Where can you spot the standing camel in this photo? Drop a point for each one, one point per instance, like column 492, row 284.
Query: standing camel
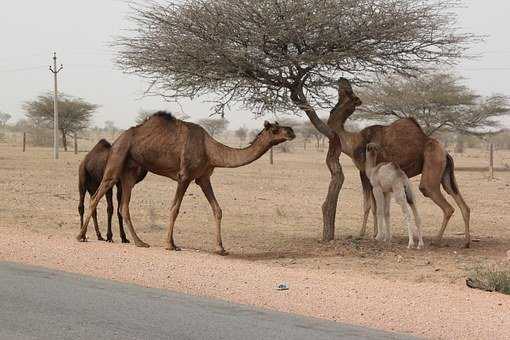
column 387, row 179
column 90, row 174
column 182, row 151
column 404, row 143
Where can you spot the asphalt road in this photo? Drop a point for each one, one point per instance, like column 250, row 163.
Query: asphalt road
column 38, row 303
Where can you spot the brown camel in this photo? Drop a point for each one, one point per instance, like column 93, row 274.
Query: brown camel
column 90, row 174
column 404, row 143
column 182, row 151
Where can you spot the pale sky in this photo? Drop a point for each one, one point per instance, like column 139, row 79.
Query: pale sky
column 80, row 31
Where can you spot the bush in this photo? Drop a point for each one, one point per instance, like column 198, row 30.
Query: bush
column 490, row 280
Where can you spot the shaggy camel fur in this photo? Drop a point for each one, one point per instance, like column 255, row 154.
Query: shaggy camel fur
column 405, row 144
column 182, row 151
column 90, row 174
column 387, row 179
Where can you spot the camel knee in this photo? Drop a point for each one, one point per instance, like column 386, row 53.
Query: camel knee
column 218, row 213
column 425, row 192
column 81, row 209
column 448, row 212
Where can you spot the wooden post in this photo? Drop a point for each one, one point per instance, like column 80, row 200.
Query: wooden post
column 491, row 161
column 271, row 156
column 75, row 143
column 24, row 141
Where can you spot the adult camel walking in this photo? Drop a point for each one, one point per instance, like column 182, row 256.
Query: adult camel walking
column 182, row 151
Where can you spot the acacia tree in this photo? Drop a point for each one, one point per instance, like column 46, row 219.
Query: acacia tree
column 285, row 55
column 4, row 118
column 438, row 101
column 213, row 125
column 74, row 114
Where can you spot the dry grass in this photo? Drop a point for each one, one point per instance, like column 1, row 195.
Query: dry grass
column 271, row 214
column 490, row 279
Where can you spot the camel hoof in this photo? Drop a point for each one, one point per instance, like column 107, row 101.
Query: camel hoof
column 125, row 240
column 173, row 248
column 221, row 252
column 142, row 244
column 467, row 245
column 100, row 238
column 109, row 240
column 81, row 239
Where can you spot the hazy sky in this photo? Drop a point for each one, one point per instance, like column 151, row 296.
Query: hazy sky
column 80, row 31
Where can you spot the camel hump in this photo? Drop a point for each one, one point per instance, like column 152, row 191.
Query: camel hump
column 104, row 143
column 165, row 115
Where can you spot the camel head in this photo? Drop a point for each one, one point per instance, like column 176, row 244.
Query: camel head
column 347, row 100
column 275, row 133
column 372, row 150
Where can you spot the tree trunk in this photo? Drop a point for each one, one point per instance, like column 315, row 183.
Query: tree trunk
column 459, row 146
column 332, row 161
column 491, row 161
column 271, row 156
column 24, row 141
column 75, row 143
column 64, row 140
column 335, row 185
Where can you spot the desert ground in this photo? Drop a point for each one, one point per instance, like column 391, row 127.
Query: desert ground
column 271, row 228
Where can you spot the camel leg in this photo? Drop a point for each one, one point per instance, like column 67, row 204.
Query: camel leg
column 400, row 198
column 122, row 233
column 109, row 209
column 434, row 165
column 379, row 203
column 417, row 223
column 205, row 184
column 387, row 221
column 128, row 182
column 182, row 186
column 450, row 186
column 96, row 226
column 368, row 204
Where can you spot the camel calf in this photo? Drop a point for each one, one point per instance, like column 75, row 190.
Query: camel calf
column 90, row 174
column 388, row 178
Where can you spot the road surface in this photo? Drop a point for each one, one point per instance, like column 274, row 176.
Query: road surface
column 39, row 303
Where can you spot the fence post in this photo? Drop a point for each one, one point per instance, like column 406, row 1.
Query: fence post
column 491, row 161
column 24, row 141
column 75, row 144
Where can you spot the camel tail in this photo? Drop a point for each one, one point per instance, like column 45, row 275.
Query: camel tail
column 449, row 175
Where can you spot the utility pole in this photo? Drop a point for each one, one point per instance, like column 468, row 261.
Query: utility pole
column 55, row 72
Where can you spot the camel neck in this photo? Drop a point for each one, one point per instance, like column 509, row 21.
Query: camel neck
column 223, row 156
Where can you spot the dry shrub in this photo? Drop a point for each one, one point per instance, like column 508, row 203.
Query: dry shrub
column 490, row 279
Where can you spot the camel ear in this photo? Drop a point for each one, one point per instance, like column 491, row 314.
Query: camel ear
column 267, row 124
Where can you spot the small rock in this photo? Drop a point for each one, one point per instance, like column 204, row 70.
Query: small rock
column 282, row 286
column 400, row 258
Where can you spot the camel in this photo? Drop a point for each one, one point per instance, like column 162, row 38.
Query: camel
column 90, row 174
column 404, row 143
column 387, row 179
column 184, row 152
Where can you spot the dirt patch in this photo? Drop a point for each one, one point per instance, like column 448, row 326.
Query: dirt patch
column 272, row 223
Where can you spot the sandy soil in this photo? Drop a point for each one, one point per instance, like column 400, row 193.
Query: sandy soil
column 271, row 225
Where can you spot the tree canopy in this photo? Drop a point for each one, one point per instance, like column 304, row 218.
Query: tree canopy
column 74, row 113
column 278, row 55
column 4, row 118
column 438, row 101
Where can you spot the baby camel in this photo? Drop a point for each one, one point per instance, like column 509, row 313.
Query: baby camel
column 182, row 151
column 388, row 178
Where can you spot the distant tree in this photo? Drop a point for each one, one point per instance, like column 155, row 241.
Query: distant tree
column 214, row 126
column 109, row 125
column 437, row 101
column 74, row 114
column 242, row 133
column 308, row 131
column 4, row 118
